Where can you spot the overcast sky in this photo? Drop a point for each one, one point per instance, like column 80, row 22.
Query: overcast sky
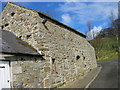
column 76, row 14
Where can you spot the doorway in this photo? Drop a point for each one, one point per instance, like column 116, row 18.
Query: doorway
column 4, row 74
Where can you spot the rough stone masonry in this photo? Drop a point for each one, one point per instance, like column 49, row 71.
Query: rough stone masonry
column 71, row 54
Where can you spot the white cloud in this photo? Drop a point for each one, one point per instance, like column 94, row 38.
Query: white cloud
column 94, row 32
column 85, row 11
column 66, row 19
column 72, row 0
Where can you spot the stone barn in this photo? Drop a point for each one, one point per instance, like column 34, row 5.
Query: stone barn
column 60, row 53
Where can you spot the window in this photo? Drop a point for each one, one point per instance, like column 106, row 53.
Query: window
column 84, row 58
column 53, row 60
column 28, row 36
column 12, row 14
column 2, row 27
column 20, row 36
column 77, row 57
column 6, row 25
column 54, row 66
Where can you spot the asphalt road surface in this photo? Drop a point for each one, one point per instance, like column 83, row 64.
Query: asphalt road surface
column 108, row 77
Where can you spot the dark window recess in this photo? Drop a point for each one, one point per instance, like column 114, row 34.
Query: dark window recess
column 20, row 36
column 6, row 25
column 53, row 60
column 54, row 66
column 77, row 57
column 2, row 27
column 84, row 58
column 12, row 14
column 28, row 36
column 22, row 59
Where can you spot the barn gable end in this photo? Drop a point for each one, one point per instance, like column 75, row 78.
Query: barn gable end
column 71, row 54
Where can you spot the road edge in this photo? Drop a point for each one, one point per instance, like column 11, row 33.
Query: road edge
column 99, row 70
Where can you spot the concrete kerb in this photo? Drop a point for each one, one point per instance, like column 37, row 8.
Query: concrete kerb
column 97, row 73
column 86, row 80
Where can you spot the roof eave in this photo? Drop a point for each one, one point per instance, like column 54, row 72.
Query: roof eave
column 50, row 18
column 28, row 54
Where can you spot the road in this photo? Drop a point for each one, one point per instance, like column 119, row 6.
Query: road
column 108, row 77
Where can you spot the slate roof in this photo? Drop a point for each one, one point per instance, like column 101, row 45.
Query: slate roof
column 9, row 43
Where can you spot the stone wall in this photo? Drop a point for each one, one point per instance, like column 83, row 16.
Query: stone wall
column 72, row 55
column 30, row 72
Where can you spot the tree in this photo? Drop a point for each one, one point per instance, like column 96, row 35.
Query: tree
column 90, row 33
column 89, row 25
column 112, row 18
column 114, row 24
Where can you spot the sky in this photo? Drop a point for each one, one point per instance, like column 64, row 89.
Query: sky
column 76, row 14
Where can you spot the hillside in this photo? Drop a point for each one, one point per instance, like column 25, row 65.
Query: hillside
column 106, row 48
column 107, row 43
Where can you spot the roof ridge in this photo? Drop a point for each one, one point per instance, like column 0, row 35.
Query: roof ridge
column 50, row 18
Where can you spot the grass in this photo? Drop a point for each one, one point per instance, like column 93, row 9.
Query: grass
column 105, row 48
column 111, row 56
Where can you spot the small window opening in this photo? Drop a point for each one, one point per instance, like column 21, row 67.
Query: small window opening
column 54, row 66
column 2, row 27
column 84, row 58
column 6, row 25
column 20, row 36
column 22, row 59
column 77, row 57
column 12, row 14
column 28, row 36
column 85, row 65
column 53, row 60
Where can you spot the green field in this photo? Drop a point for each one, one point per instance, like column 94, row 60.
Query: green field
column 105, row 48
